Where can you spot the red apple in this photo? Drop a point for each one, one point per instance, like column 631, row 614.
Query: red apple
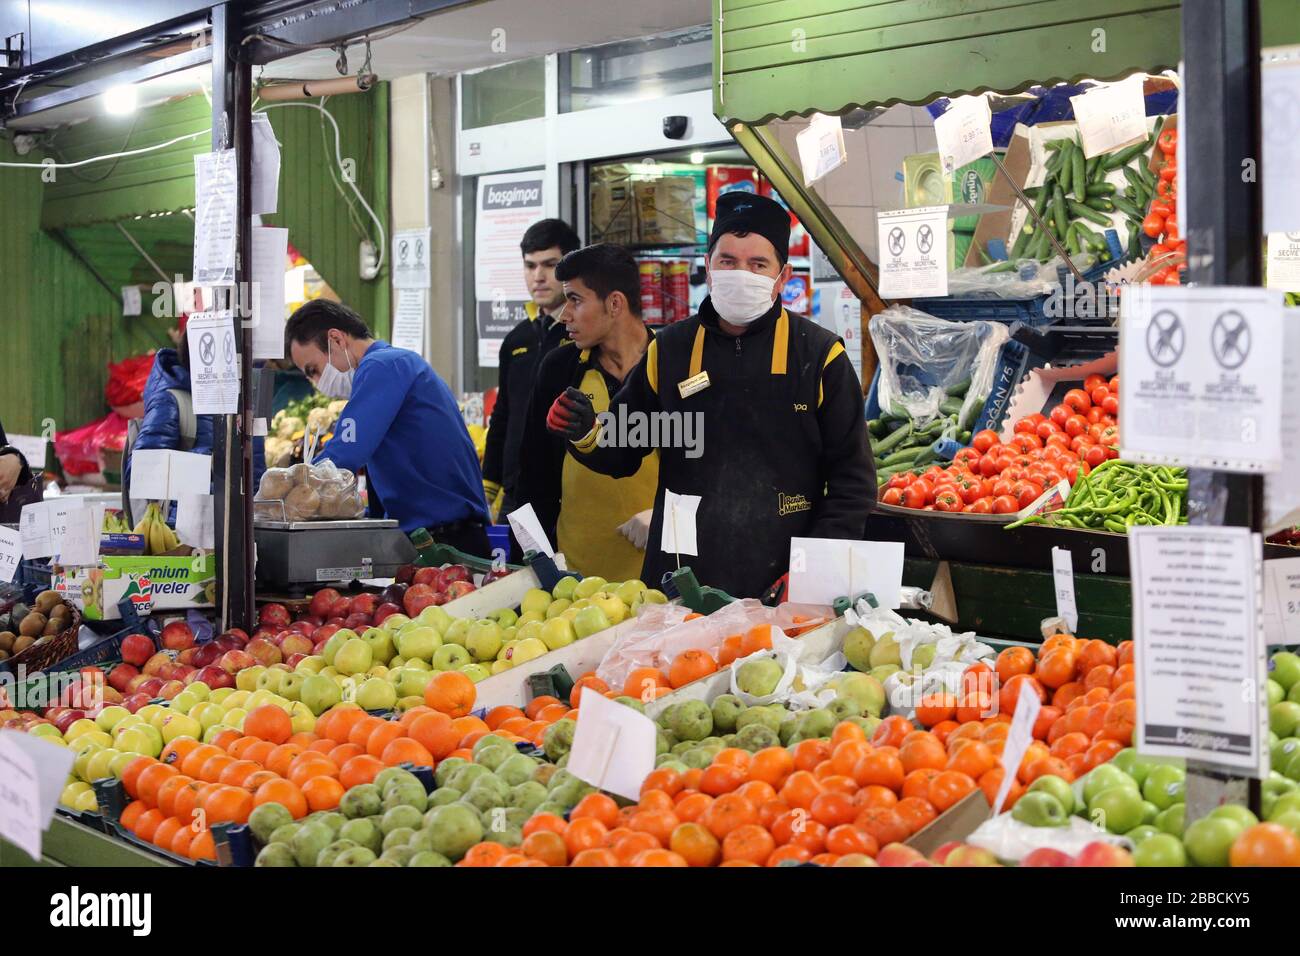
column 430, row 576
column 383, row 612
column 274, row 615
column 238, row 633
column 364, row 603
column 232, row 662
column 295, row 644
column 170, row 689
column 358, row 622
column 66, row 718
column 340, row 607
column 325, row 632
column 417, row 598
column 319, row 647
column 940, row 855
column 134, row 684
column 405, row 574
column 215, row 676
column 456, row 572
column 293, row 659
column 458, row 589
column 121, row 675
column 263, row 652
column 136, row 649
column 393, row 594
column 1047, row 856
column 152, row 686
column 966, row 855
column 282, row 666
column 207, row 654
column 1098, row 853
column 112, row 696
column 154, row 663
column 177, row 635
column 303, row 626
column 189, row 656
column 226, row 643
column 496, row 574
column 898, row 854
column 322, row 600
column 335, row 621
column 134, row 702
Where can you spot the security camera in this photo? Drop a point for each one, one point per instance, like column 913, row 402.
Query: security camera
column 675, row 126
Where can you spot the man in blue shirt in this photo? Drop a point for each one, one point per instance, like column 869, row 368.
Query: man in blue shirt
column 401, row 424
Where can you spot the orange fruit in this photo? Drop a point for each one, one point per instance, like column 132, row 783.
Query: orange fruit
column 285, row 793
column 225, row 738
column 915, row 812
column 880, row 767
column 692, row 806
column 187, row 799
column 214, row 766
column 238, row 748
column 1265, row 844
column 642, row 682
column 166, row 831
column 847, row 838
column 598, row 806
column 690, row 666
column 936, row 708
column 382, row 736
column 597, row 857
column 310, row 765
column 405, row 750
column 282, row 757
column 484, row 854
column 193, row 762
column 147, row 823
column 791, row 851
column 228, row 805
column 1013, row 661
column 131, row 774
column 757, row 638
column 722, row 778
column 180, row 843
column 658, row 823
column 151, row 780
column 748, row 842
column 202, row 846
column 949, row 787
column 468, row 725
column 268, row 722
column 255, row 780
column 583, row 682
column 658, row 858
column 495, row 717
column 178, row 749
column 343, row 718
column 665, row 779
column 131, row 813
column 258, row 752
column 884, row 826
column 732, row 648
column 973, row 759
column 363, row 728
column 878, row 796
column 728, row 812
column 892, row 731
column 695, row 844
column 922, row 753
column 833, row 809
column 586, row 833
column 547, row 846
column 168, row 791
column 236, row 773
column 450, row 692
column 322, row 793
column 800, row 789
column 359, row 770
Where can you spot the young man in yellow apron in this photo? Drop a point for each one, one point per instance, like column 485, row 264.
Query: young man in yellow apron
column 599, row 523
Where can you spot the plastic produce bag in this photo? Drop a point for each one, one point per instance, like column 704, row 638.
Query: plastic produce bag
column 126, row 380
column 308, row 493
column 1029, row 279
column 922, row 357
column 79, row 450
column 1009, row 839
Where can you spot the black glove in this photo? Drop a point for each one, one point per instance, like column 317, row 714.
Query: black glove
column 571, row 416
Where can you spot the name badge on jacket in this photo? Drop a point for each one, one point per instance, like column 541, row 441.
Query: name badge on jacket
column 696, row 383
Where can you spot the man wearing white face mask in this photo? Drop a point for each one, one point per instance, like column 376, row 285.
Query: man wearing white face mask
column 784, row 451
column 400, row 423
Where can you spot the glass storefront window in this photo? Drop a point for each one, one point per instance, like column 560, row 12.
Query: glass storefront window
column 617, row 73
column 504, row 94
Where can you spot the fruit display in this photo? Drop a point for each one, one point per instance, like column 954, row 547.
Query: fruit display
column 900, row 443
column 1118, row 495
column 23, row 626
column 1159, row 188
column 159, row 537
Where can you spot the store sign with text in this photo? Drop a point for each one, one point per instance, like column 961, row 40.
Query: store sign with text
column 507, row 204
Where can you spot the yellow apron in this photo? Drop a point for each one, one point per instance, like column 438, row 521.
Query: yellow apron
column 592, row 506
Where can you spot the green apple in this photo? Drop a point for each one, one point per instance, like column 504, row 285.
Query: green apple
column 234, row 718
column 100, row 764
column 629, row 591
column 1057, row 787
column 320, row 693
column 1280, row 753
column 376, row 694
column 484, row 639
column 1118, row 809
column 475, row 671
column 312, row 664
column 587, row 587
column 1149, row 812
column 1142, row 832
column 117, row 766
column 138, row 740
column 412, row 682
column 50, row 732
column 1276, row 692
column 653, row 596
column 1293, row 695
column 1040, row 809
column 335, row 643
column 416, row 663
column 1284, row 667
column 498, row 667
column 529, row 629
column 219, row 695
column 1290, row 820
column 110, row 717
column 1165, row 785
column 381, row 644
column 86, row 726
column 557, row 608
column 354, row 657
column 246, row 680
column 418, row 642
column 1160, row 849
column 1283, row 718
column 184, row 701
column 451, row 657
column 504, row 616
column 1209, row 840
column 291, row 686
column 394, row 622
column 526, row 650
column 563, row 589
column 1286, row 803
column 590, row 620
column 1235, row 811
column 557, row 633
column 435, row 617
column 614, row 609
column 535, row 601
column 1133, row 765
column 529, row 617
column 181, row 725
column 458, row 631
column 1105, row 777
column 268, row 682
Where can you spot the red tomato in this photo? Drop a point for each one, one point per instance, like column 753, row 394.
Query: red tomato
column 1168, row 142
column 1026, row 492
column 982, row 506
column 970, row 492
column 1109, row 435
column 914, row 495
column 1161, row 208
column 1169, row 172
column 989, row 466
column 1153, row 225
column 901, row 480
column 967, row 456
column 1079, row 443
column 933, row 473
column 947, row 501
column 1158, row 250
column 891, row 496
column 1059, row 440
column 1078, row 400
column 982, row 441
column 1094, row 431
column 1094, row 415
column 1095, row 455
column 1026, row 426
column 1111, row 405
column 1094, row 381
column 1002, row 486
column 1037, row 418
column 986, row 488
column 1004, row 504
column 1013, row 472
column 1113, row 384
column 925, row 486
column 1026, row 443
column 1046, row 430
column 1099, row 394
column 1060, row 413
column 1171, row 228
column 1075, row 425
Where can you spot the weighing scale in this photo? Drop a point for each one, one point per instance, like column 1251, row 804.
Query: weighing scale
column 296, row 555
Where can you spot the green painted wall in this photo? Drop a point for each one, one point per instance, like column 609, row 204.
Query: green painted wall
column 61, row 326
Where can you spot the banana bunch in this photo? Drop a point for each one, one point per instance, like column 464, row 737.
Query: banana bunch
column 158, row 537
column 114, row 523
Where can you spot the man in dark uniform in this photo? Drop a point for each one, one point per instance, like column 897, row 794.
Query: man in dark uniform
column 784, row 452
column 544, row 244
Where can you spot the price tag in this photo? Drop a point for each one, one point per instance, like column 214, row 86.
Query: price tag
column 613, row 747
column 1199, row 645
column 913, row 252
column 1063, row 576
column 60, row 512
column 1201, row 377
column 1019, row 737
column 79, row 545
column 35, row 528
column 20, row 798
column 1282, row 601
column 11, row 553
column 1281, row 490
column 1111, row 117
column 963, row 132
column 130, row 300
column 677, row 536
column 823, row 569
column 528, row 530
column 821, row 147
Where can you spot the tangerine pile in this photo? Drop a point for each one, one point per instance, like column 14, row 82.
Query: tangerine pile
column 819, row 801
column 192, row 785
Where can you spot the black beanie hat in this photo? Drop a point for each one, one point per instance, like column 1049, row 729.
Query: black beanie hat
column 749, row 212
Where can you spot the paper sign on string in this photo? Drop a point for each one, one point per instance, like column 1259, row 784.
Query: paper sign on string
column 821, row 147
column 613, row 746
column 194, row 521
column 34, row 525
column 678, row 535
column 528, row 531
column 32, row 774
column 79, row 544
column 1063, row 577
column 408, row 320
column 823, row 569
column 269, row 251
column 215, row 204
column 159, row 474
column 963, row 132
column 1019, row 737
column 214, row 363
column 11, row 553
column 411, row 253
column 1111, row 117
column 913, row 252
column 265, row 191
column 130, row 300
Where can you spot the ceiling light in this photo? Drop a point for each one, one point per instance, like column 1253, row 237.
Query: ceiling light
column 121, row 100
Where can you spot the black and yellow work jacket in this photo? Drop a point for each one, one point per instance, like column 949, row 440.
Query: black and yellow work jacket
column 784, row 450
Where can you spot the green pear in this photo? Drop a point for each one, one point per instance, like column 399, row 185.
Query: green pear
column 857, row 648
column 885, row 651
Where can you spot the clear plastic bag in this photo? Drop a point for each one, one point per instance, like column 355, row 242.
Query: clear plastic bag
column 921, row 357
column 1009, row 839
column 308, row 493
column 1029, row 279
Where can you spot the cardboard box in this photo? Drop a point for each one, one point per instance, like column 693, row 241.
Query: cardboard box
column 152, row 583
column 665, row 209
column 613, row 205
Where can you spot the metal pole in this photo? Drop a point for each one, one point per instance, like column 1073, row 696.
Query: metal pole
column 1223, row 220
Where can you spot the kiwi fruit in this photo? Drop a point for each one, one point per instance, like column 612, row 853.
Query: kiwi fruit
column 32, row 624
column 4, row 655
column 60, row 612
column 22, row 643
column 7, row 639
column 47, row 600
column 53, row 626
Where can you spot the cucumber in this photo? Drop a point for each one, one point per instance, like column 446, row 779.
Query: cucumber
column 1066, row 176
column 1127, row 208
column 900, row 457
column 959, row 389
column 1100, row 203
column 1116, row 160
column 951, row 405
column 1079, row 180
column 892, row 439
column 1055, row 144
column 1092, row 215
column 1101, row 189
column 1061, row 220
